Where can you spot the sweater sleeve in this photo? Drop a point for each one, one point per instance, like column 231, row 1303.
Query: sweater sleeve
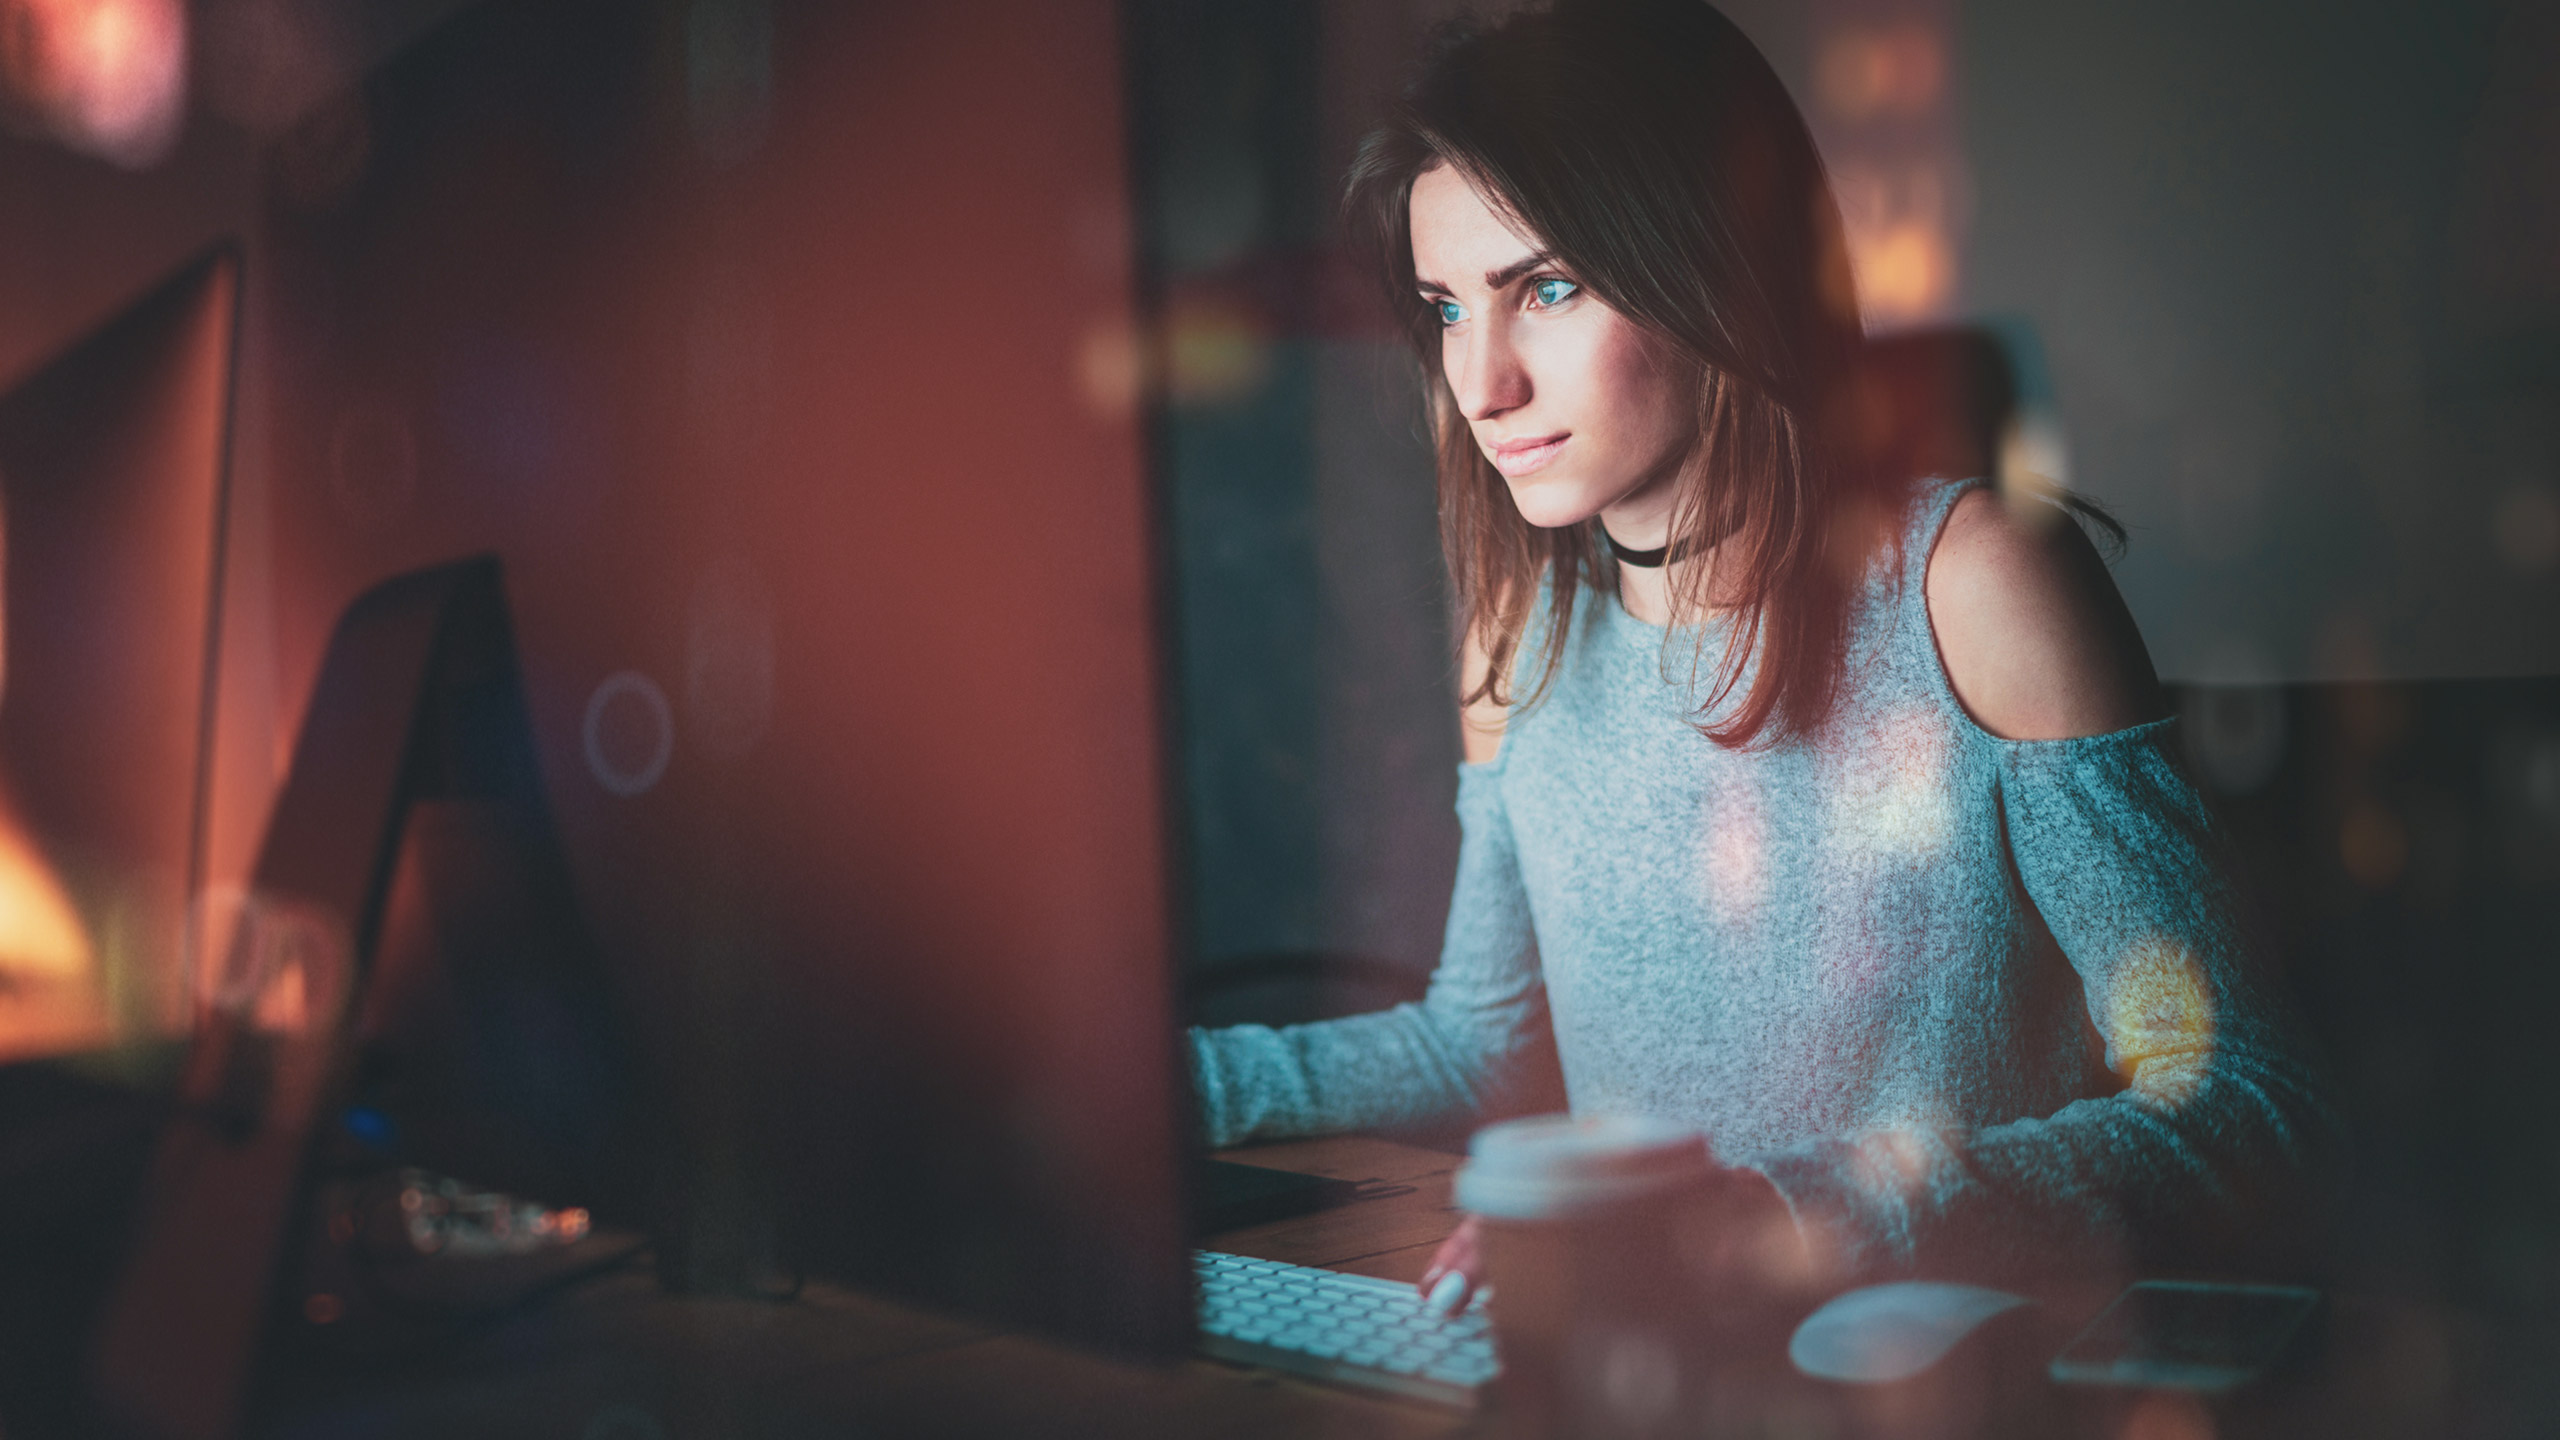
column 1453, row 1054
column 2219, row 1128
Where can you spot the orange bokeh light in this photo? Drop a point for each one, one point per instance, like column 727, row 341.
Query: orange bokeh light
column 49, row 999
column 1865, row 72
column 41, row 938
column 108, row 77
column 1899, row 214
column 1905, row 272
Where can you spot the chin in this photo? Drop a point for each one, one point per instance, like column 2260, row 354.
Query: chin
column 1552, row 505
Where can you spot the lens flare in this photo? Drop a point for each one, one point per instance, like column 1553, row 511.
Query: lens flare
column 1206, row 350
column 1733, row 862
column 1215, row 352
column 285, row 966
column 1892, row 796
column 1110, row 365
column 2160, row 1020
column 1894, row 1161
column 630, row 733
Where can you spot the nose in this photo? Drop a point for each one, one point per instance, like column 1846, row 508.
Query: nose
column 1485, row 371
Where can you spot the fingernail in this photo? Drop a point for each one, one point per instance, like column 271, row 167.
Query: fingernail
column 1449, row 1296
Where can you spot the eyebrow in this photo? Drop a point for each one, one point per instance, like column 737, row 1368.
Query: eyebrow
column 1496, row 279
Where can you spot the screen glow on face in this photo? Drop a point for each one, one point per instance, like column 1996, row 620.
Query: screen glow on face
column 1545, row 292
column 1580, row 409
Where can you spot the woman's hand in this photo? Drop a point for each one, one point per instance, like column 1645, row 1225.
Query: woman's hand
column 1747, row 1240
column 1456, row 1269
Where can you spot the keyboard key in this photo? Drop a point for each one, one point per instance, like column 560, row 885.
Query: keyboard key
column 1343, row 1327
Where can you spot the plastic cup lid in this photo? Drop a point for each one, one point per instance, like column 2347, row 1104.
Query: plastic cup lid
column 1550, row 1166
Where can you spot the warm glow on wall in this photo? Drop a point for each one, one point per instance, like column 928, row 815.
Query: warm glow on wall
column 50, row 1001
column 45, row 951
column 41, row 938
column 108, row 77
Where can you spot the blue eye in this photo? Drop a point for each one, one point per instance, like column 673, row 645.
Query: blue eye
column 1552, row 291
column 1451, row 312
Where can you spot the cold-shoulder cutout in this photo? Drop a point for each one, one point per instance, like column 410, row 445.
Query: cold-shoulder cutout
column 2035, row 642
column 1976, row 1006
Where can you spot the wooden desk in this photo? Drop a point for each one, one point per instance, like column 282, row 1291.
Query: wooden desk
column 616, row 1358
column 1391, row 1237
column 2387, row 1367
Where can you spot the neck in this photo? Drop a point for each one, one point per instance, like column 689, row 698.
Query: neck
column 1646, row 593
column 1642, row 522
column 1646, row 590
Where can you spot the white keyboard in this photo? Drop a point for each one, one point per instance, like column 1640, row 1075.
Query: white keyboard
column 1348, row 1328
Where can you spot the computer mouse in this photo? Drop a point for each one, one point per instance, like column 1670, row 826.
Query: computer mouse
column 1892, row 1332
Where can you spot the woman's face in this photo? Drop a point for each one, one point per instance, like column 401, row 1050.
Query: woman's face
column 1583, row 412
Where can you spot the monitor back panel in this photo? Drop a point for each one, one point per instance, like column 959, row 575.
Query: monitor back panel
column 111, row 471
column 779, row 351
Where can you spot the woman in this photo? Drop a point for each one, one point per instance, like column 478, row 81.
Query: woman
column 1826, row 809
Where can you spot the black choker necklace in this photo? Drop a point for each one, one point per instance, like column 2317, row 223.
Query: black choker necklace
column 1641, row 559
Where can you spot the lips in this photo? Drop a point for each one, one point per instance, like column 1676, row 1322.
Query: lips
column 1515, row 458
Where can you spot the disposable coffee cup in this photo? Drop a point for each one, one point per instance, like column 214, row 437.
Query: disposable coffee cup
column 1586, row 1223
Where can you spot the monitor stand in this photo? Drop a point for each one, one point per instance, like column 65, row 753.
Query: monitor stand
column 419, row 699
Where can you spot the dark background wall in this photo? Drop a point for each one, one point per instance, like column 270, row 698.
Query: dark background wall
column 2293, row 266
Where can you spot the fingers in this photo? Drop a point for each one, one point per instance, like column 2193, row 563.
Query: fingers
column 1457, row 1253
column 1449, row 1295
column 1450, row 1279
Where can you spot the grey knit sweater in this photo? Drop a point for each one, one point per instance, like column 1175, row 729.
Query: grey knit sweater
column 1976, row 1006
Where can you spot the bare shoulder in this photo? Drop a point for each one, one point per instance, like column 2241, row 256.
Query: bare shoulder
column 2036, row 641
column 1480, row 723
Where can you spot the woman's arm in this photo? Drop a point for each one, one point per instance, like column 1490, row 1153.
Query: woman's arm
column 1476, row 1034
column 2219, row 1125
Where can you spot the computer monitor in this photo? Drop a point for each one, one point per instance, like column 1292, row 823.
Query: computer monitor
column 113, row 462
column 112, row 465
column 791, row 374
column 407, row 980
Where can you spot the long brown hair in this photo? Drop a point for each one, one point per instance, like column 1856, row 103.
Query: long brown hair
column 1649, row 147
